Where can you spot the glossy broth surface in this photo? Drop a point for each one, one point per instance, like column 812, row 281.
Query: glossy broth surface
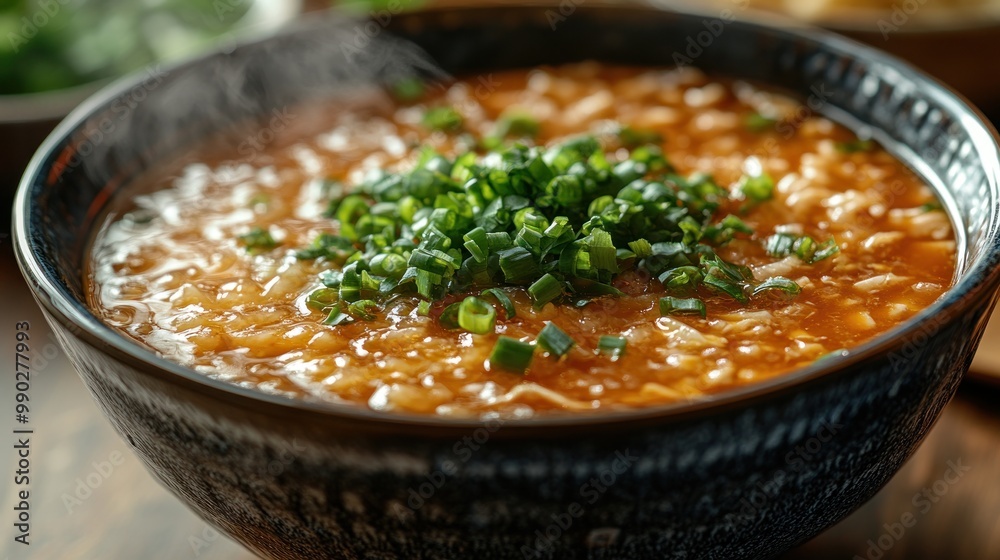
column 170, row 272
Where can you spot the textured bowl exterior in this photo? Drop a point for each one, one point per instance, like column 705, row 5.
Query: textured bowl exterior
column 744, row 476
column 748, row 483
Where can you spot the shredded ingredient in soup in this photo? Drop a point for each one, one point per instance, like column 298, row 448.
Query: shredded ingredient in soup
column 580, row 238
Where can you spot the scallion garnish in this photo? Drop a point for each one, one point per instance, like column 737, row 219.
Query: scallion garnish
column 322, row 299
column 503, row 300
column 512, row 354
column 408, row 89
column 634, row 137
column 756, row 189
column 327, row 245
column 554, row 340
column 558, row 220
column 476, row 316
column 854, row 146
column 518, row 265
column 337, row 317
column 756, row 122
column 802, row 246
column 515, row 124
column 424, row 308
column 258, row 240
column 446, row 119
column 449, row 316
column 545, row 289
column 682, row 306
column 612, row 346
column 361, row 309
column 777, row 283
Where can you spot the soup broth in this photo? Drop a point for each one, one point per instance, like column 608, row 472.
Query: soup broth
column 223, row 266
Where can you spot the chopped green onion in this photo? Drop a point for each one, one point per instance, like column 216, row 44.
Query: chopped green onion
column 445, row 119
column 478, row 243
column 333, row 247
column 331, row 278
column 503, row 300
column 512, row 354
column 682, row 306
column 780, row 244
column 449, row 316
column 498, row 241
column 854, row 146
column 681, row 280
column 756, row 122
column 613, row 346
column 825, row 250
column 554, row 340
column 516, row 124
column 434, row 262
column 322, row 299
column 602, row 251
column 726, row 286
column 756, row 189
column 424, row 308
column 518, row 265
column 544, row 290
column 633, row 137
column 258, row 240
column 641, row 248
column 361, row 309
column 930, row 207
column 567, row 218
column 476, row 316
column 802, row 246
column 409, row 89
column 348, row 211
column 778, row 283
column 337, row 317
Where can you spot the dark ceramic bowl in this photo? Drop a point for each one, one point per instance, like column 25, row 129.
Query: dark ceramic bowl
column 745, row 474
column 25, row 121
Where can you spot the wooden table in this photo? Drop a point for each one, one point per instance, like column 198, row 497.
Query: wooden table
column 84, row 506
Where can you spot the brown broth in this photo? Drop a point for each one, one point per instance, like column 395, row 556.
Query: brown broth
column 182, row 284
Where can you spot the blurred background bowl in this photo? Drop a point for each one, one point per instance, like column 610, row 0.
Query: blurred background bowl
column 953, row 40
column 55, row 54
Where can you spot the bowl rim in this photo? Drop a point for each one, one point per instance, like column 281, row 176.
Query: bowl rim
column 980, row 281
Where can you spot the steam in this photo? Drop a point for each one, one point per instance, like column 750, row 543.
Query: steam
column 171, row 111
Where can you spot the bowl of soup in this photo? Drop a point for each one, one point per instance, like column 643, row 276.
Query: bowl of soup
column 511, row 282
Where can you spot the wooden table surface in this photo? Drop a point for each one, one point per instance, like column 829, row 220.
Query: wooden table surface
column 86, row 507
